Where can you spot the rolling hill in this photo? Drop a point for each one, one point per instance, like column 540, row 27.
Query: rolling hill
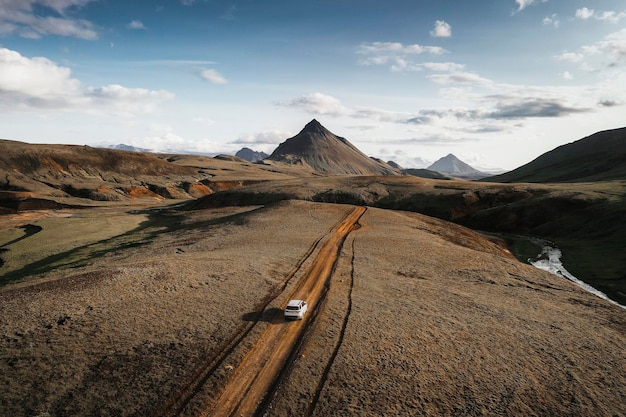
column 599, row 157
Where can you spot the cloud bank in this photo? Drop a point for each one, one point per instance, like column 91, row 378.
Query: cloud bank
column 37, row 18
column 38, row 83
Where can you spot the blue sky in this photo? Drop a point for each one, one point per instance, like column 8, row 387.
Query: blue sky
column 496, row 82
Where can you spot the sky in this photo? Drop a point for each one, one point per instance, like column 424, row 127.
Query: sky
column 495, row 82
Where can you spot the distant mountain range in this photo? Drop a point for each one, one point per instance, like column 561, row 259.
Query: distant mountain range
column 123, row 147
column 599, row 157
column 130, row 148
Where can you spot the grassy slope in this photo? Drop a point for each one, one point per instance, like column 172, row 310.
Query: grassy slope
column 599, row 157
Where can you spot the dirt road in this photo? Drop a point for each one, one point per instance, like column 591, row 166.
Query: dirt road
column 263, row 363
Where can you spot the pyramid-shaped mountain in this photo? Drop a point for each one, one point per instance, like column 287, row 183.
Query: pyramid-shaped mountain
column 452, row 165
column 328, row 153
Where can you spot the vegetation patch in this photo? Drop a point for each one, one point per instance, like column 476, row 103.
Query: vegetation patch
column 238, row 198
column 339, row 197
column 437, row 205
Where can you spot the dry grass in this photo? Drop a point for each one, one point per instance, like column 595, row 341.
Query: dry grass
column 116, row 336
column 448, row 324
column 422, row 318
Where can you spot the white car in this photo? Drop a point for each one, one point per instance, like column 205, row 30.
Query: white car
column 296, row 309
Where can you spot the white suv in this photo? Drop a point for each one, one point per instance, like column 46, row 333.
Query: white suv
column 296, row 309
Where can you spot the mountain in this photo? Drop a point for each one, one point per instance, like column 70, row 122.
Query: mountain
column 325, row 152
column 599, row 157
column 454, row 166
column 250, row 155
column 123, row 147
column 426, row 173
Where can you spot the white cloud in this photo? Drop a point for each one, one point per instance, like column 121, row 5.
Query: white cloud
column 441, row 30
column 522, row 4
column 552, row 21
column 136, row 24
column 607, row 16
column 567, row 76
column 128, row 101
column 379, row 115
column 584, row 13
column 459, row 78
column 212, row 76
column 395, row 54
column 272, row 137
column 611, row 50
column 27, row 83
column 443, row 66
column 401, row 64
column 206, row 121
column 611, row 16
column 36, row 18
column 614, row 45
column 570, row 57
column 36, row 80
column 318, row 104
column 376, row 48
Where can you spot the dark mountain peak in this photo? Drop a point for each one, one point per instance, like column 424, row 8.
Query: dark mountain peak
column 326, row 152
column 315, row 127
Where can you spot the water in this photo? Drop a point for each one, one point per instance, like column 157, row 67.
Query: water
column 550, row 260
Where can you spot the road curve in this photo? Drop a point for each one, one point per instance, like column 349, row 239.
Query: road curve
column 262, row 364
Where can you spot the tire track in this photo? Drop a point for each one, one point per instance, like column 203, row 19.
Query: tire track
column 263, row 364
column 264, row 409
column 332, row 358
column 177, row 402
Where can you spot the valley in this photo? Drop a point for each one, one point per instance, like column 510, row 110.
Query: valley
column 121, row 332
column 167, row 298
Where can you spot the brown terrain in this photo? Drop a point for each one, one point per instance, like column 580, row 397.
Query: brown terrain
column 122, row 307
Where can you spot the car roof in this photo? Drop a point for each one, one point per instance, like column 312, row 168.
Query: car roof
column 294, row 302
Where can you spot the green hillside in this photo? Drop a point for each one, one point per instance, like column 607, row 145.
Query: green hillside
column 599, row 157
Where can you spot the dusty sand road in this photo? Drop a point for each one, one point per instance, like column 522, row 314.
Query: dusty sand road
column 262, row 365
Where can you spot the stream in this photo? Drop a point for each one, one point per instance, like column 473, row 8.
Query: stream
column 550, row 260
